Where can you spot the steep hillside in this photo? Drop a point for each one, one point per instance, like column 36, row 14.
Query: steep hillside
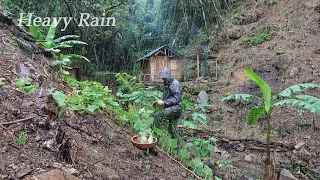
column 291, row 56
column 87, row 146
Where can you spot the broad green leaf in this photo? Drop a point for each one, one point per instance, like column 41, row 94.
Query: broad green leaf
column 309, row 99
column 35, row 32
column 197, row 150
column 53, row 50
column 245, row 97
column 50, row 36
column 199, row 170
column 314, row 107
column 62, row 46
column 73, row 99
column 207, row 171
column 195, row 163
column 62, row 38
column 171, row 143
column 78, row 56
column 254, row 114
column 23, row 81
column 60, row 97
column 212, row 147
column 71, row 43
column 184, row 154
column 265, row 88
column 2, row 81
column 205, row 152
column 212, row 139
column 188, row 145
column 30, row 89
column 92, row 108
column 296, row 88
column 186, row 105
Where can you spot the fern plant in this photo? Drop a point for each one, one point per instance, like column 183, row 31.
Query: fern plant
column 269, row 102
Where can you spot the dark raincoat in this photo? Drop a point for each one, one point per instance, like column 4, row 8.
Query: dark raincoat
column 172, row 94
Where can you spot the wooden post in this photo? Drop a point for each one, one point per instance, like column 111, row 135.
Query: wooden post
column 198, row 67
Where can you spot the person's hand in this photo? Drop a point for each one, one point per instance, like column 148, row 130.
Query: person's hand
column 158, row 102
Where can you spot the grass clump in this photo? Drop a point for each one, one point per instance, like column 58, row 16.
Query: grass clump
column 265, row 35
column 271, row 2
column 280, row 51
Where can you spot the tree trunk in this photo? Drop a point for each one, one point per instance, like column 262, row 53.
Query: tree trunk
column 268, row 163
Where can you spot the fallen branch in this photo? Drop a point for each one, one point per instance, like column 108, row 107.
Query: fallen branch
column 21, row 120
column 179, row 163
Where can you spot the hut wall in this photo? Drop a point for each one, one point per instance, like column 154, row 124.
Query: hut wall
column 157, row 63
column 146, row 70
column 175, row 67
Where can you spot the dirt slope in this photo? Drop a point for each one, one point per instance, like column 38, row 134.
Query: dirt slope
column 90, row 147
column 298, row 34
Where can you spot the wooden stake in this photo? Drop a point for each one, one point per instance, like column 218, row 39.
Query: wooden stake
column 198, row 67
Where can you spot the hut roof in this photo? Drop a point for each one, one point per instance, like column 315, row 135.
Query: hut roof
column 147, row 56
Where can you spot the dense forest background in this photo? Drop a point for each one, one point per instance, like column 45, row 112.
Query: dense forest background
column 141, row 26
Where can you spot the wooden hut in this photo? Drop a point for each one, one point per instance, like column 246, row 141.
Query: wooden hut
column 162, row 57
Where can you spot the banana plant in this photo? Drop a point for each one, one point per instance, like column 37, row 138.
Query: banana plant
column 54, row 46
column 269, row 102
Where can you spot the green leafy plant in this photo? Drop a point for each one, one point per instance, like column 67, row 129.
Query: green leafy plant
column 187, row 105
column 143, row 121
column 270, row 2
column 268, row 102
column 202, row 147
column 148, row 167
column 200, row 168
column 265, row 35
column 54, row 46
column 24, row 85
column 112, row 134
column 202, row 106
column 199, row 117
column 22, row 138
column 134, row 93
column 236, row 16
column 196, row 116
column 279, row 51
column 138, row 100
column 2, row 81
column 199, row 147
column 189, row 124
column 87, row 96
column 224, row 164
column 94, row 149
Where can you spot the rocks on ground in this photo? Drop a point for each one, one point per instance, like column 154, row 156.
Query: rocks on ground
column 286, row 175
column 203, row 97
